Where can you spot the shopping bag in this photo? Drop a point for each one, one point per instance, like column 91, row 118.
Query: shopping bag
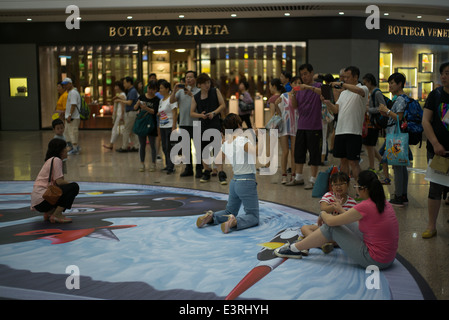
column 274, row 122
column 396, row 151
column 436, row 176
column 321, row 185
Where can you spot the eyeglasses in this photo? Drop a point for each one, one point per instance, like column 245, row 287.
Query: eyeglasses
column 339, row 184
column 360, row 187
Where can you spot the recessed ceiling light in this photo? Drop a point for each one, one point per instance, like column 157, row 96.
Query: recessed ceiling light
column 181, row 16
column 29, row 19
column 160, row 52
column 78, row 18
column 180, row 50
column 233, row 15
column 129, row 17
column 386, row 14
column 447, row 19
column 287, row 14
column 419, row 17
column 341, row 13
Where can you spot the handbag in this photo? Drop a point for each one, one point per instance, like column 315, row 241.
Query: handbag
column 144, row 124
column 396, row 151
column 246, row 106
column 53, row 193
column 274, row 122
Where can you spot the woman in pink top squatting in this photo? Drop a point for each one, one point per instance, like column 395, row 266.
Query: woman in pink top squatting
column 374, row 242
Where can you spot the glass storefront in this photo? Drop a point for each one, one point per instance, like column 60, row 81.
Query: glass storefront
column 418, row 62
column 95, row 68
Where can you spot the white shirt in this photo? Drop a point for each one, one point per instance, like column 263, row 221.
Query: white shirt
column 73, row 97
column 351, row 111
column 165, row 113
column 242, row 162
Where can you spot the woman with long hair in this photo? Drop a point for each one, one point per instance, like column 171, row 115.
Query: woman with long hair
column 56, row 153
column 374, row 242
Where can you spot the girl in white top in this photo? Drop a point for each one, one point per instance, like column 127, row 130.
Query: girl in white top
column 243, row 187
column 118, row 114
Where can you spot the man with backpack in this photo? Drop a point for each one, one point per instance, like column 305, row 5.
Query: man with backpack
column 436, row 127
column 72, row 116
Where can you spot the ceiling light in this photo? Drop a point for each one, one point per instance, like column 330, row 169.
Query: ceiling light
column 419, row 17
column 78, row 18
column 287, row 14
column 233, row 15
column 29, row 19
column 341, row 13
column 129, row 17
column 386, row 14
column 160, row 52
column 181, row 16
column 180, row 50
column 447, row 19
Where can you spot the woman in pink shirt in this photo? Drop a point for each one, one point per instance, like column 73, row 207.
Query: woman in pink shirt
column 374, row 242
column 56, row 152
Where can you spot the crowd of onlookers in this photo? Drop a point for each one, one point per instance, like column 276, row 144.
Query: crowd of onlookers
column 321, row 116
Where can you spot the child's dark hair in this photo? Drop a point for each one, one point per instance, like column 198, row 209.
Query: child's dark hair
column 369, row 180
column 55, row 122
column 339, row 176
column 55, row 147
column 153, row 85
column 232, row 121
column 276, row 82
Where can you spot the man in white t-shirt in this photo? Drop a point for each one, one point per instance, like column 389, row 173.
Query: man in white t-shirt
column 72, row 116
column 351, row 107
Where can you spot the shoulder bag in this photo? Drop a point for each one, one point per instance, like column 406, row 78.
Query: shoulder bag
column 53, row 192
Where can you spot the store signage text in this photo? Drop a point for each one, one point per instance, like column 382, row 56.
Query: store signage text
column 418, row 32
column 164, row 31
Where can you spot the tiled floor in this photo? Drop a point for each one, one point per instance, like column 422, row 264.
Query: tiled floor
column 22, row 154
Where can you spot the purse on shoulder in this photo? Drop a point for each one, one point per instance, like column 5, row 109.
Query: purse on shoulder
column 53, row 193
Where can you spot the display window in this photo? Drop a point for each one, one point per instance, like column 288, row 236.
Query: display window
column 418, row 62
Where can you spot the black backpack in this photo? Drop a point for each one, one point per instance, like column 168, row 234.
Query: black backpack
column 377, row 120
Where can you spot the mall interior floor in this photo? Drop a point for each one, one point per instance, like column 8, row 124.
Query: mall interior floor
column 22, row 154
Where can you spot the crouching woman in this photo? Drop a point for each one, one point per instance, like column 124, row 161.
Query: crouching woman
column 373, row 242
column 56, row 153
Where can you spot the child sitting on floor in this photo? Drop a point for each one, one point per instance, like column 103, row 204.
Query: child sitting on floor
column 336, row 201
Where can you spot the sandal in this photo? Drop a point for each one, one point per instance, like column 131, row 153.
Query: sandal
column 429, row 234
column 107, row 147
column 60, row 219
column 386, row 181
column 226, row 226
column 205, row 219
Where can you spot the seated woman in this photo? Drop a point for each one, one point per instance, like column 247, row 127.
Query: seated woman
column 56, row 152
column 374, row 242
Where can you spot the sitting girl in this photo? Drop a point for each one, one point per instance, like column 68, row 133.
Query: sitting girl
column 335, row 202
column 243, row 187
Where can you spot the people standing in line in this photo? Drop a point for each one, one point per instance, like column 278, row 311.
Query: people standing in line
column 243, row 187
column 118, row 115
column 286, row 78
column 375, row 99
column 207, row 106
column 309, row 137
column 168, row 115
column 246, row 98
column 148, row 102
column 72, row 115
column 130, row 116
column 287, row 130
column 182, row 94
column 350, row 107
column 396, row 83
column 436, row 128
column 56, row 153
column 62, row 100
column 371, row 241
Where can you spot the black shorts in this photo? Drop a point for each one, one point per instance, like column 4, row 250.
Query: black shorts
column 348, row 146
column 371, row 139
column 69, row 192
column 308, row 140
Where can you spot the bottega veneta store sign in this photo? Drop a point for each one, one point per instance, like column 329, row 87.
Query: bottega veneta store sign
column 167, row 31
column 415, row 31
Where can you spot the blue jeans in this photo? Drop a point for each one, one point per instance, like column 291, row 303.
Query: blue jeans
column 242, row 190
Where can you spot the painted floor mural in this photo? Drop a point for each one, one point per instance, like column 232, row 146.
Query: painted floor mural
column 140, row 242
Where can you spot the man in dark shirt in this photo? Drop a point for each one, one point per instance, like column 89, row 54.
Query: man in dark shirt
column 130, row 116
column 436, row 128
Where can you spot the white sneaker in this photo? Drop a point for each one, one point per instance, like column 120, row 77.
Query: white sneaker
column 309, row 185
